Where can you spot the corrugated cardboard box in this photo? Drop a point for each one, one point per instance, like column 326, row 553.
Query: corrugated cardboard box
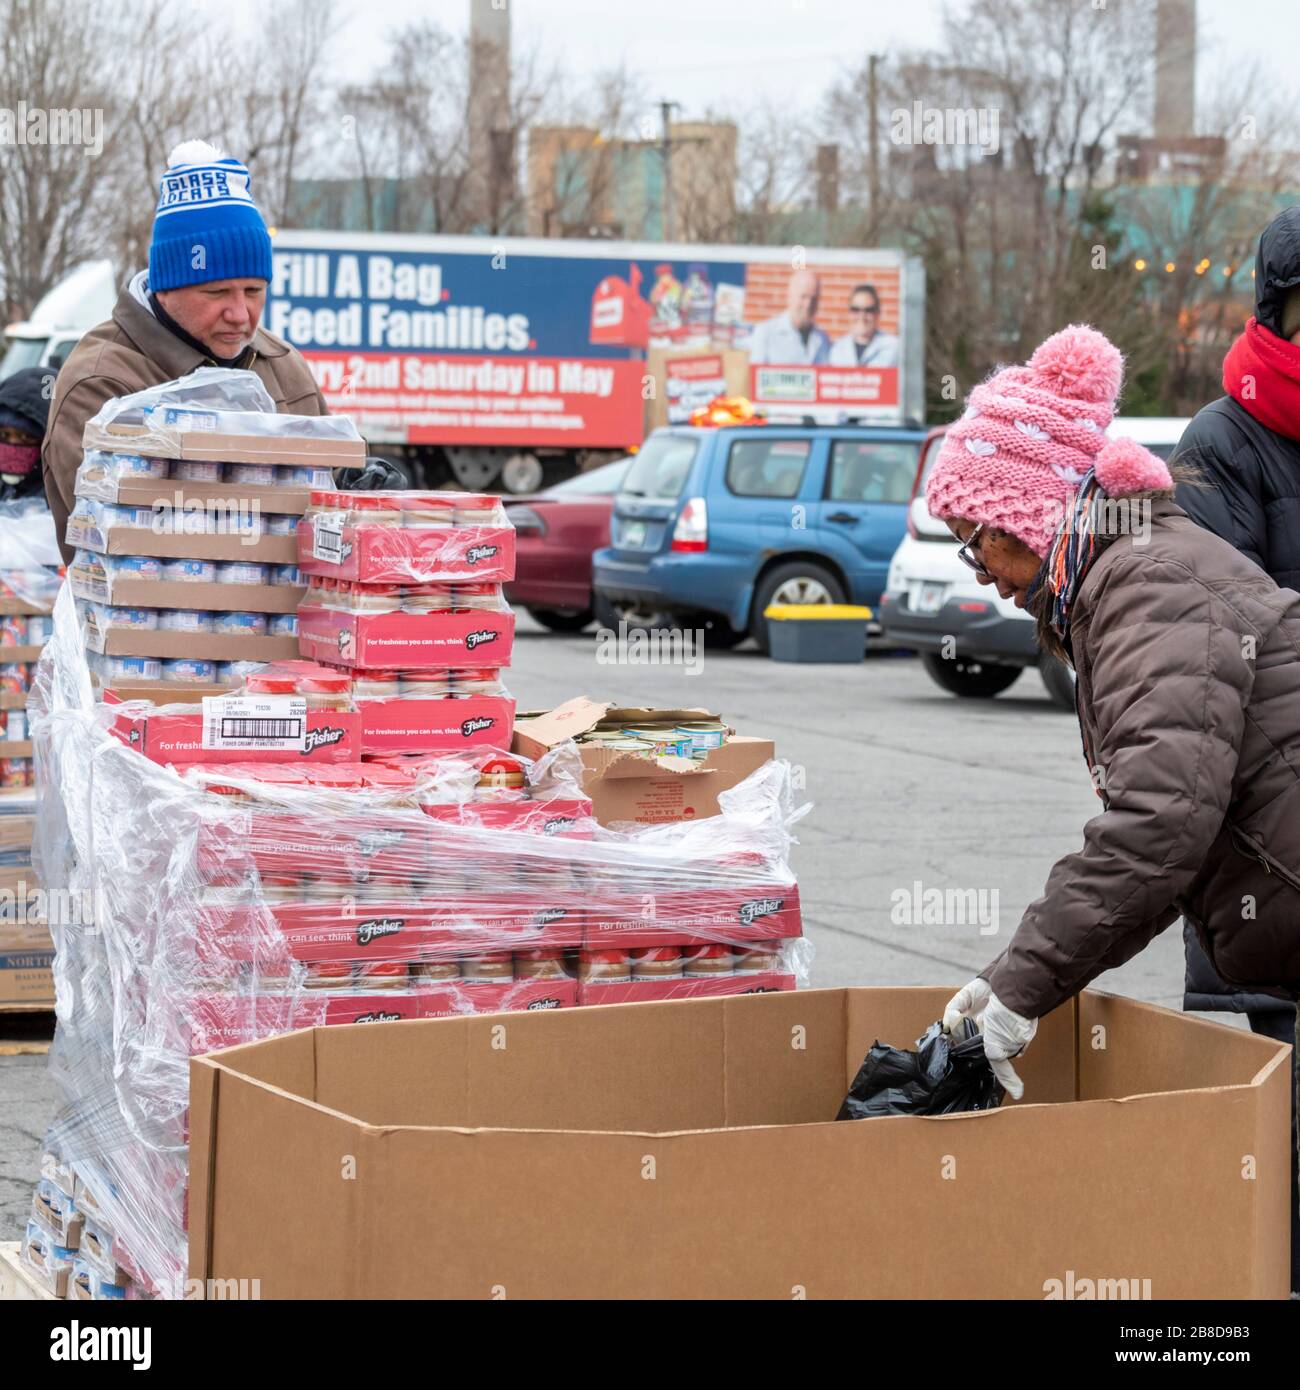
column 689, row 1150
column 176, row 442
column 627, row 787
column 26, row 963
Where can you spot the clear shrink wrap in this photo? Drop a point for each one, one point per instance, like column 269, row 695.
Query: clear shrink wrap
column 226, row 901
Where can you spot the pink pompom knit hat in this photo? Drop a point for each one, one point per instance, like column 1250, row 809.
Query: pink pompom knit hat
column 1015, row 459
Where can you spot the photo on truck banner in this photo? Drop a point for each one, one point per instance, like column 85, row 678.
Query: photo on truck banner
column 433, row 340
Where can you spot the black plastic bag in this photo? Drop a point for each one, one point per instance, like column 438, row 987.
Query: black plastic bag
column 945, row 1074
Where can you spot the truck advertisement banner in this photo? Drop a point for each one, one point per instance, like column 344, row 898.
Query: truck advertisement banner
column 502, row 347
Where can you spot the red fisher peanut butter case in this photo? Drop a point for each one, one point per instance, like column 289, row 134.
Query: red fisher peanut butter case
column 418, row 641
column 716, row 915
column 559, row 815
column 649, row 991
column 223, row 732
column 422, row 726
column 399, row 930
column 406, row 537
column 218, row 1019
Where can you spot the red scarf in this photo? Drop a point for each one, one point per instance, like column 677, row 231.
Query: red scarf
column 1262, row 374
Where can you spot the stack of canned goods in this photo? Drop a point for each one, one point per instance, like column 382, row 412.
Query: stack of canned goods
column 458, row 684
column 353, row 597
column 682, row 740
column 417, row 510
column 98, row 465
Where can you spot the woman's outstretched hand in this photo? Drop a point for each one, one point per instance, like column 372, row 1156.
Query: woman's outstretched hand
column 1006, row 1033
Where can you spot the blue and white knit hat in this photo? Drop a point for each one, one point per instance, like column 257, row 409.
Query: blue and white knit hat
column 207, row 226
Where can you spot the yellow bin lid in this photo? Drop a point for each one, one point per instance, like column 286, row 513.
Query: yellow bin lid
column 781, row 612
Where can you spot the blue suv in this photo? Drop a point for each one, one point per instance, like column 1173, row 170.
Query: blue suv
column 713, row 525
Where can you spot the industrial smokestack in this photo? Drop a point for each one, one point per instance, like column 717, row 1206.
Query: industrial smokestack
column 491, row 174
column 1175, row 114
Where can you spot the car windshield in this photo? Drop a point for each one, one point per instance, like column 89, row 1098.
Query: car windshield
column 659, row 471
column 22, row 352
column 597, row 482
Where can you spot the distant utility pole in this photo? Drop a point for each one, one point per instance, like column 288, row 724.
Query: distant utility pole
column 666, row 109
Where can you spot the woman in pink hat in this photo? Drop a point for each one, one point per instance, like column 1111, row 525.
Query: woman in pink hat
column 1187, row 665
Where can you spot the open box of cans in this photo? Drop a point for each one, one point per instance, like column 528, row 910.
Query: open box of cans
column 406, row 537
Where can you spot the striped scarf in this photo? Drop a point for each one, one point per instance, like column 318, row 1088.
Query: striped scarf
column 1073, row 549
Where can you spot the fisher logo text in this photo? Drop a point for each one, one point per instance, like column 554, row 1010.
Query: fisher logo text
column 759, row 907
column 322, row 738
column 477, row 639
column 380, row 1017
column 544, row 1004
column 557, row 825
column 376, row 927
column 472, row 726
column 548, row 915
column 480, row 552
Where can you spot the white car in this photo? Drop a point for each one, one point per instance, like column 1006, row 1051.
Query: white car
column 931, row 597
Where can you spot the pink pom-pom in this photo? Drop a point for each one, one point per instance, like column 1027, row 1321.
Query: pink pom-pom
column 1125, row 468
column 1080, row 363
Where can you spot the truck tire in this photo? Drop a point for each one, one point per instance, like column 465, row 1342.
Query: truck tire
column 962, row 675
column 796, row 581
column 1058, row 677
column 563, row 619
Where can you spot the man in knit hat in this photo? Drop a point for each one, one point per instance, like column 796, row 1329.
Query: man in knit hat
column 198, row 304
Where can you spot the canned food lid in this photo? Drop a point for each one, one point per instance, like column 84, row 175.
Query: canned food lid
column 323, row 499
column 331, row 685
column 705, row 952
column 602, row 957
column 271, row 685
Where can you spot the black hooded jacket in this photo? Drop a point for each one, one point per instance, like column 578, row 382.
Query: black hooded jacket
column 1251, row 499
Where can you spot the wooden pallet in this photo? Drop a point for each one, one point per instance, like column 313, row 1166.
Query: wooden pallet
column 16, row 1280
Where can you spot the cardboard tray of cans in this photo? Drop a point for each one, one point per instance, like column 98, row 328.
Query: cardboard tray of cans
column 181, row 442
column 406, row 537
column 97, row 583
column 163, row 542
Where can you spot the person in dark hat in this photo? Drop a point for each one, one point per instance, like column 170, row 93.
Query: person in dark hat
column 24, row 408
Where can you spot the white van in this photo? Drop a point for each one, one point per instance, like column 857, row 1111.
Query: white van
column 82, row 299
column 930, row 596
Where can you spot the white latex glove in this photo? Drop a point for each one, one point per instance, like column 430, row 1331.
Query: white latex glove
column 1006, row 1033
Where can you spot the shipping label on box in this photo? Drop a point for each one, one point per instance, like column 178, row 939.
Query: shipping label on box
column 478, row 638
column 405, row 555
column 332, row 736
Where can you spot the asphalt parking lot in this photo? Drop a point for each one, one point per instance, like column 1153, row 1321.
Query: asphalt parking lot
column 909, row 786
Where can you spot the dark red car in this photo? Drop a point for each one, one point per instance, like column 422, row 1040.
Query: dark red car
column 557, row 531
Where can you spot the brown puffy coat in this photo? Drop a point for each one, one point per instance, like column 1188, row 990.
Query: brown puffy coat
column 130, row 352
column 1188, row 663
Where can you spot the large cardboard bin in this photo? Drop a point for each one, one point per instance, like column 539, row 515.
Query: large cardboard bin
column 689, row 1150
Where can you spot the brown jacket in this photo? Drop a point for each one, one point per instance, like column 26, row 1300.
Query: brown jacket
column 130, row 352
column 1188, row 664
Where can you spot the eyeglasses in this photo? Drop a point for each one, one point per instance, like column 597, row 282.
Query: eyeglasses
column 867, row 309
column 967, row 556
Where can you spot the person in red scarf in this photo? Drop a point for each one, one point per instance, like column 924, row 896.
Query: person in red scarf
column 24, row 409
column 1246, row 447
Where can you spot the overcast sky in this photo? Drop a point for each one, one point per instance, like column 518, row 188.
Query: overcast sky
column 720, row 53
